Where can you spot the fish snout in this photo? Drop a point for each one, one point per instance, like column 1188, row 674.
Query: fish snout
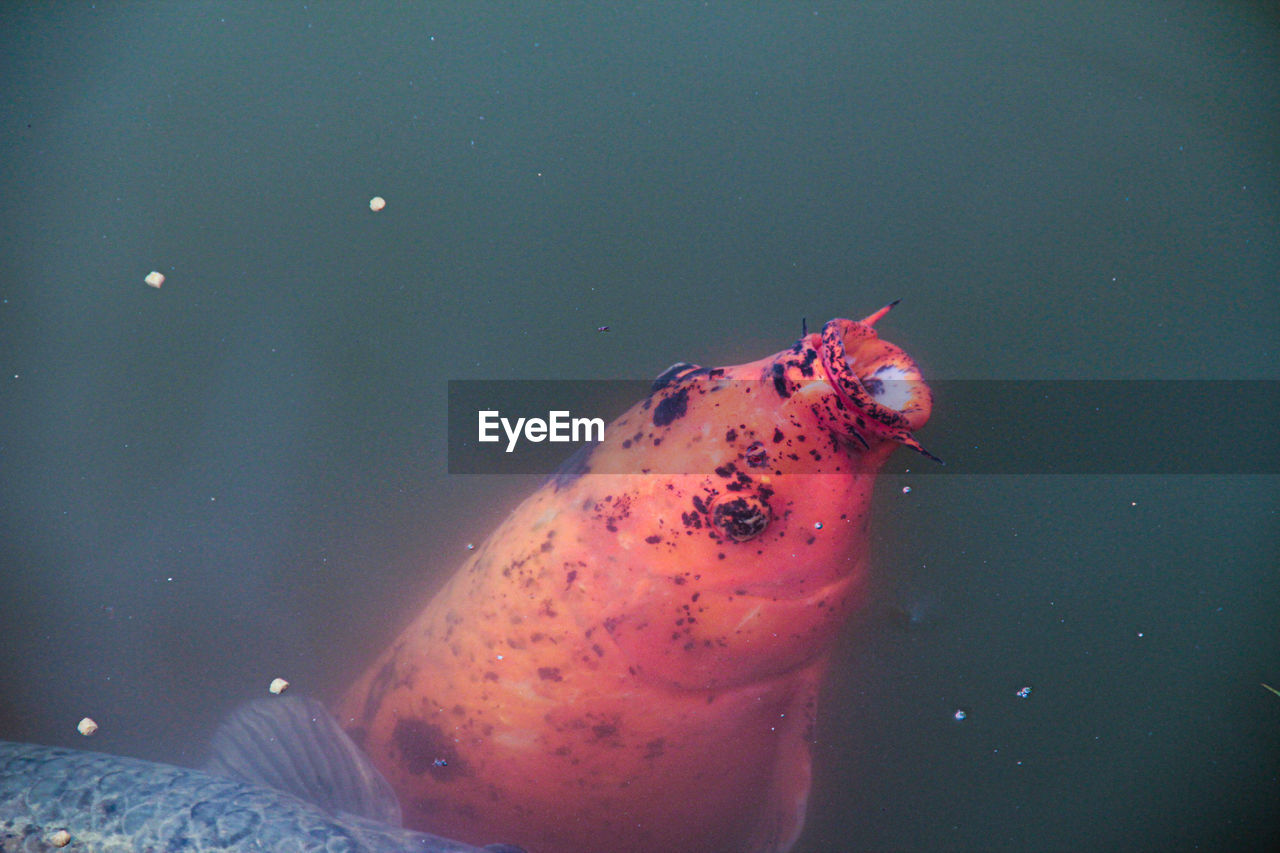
column 882, row 390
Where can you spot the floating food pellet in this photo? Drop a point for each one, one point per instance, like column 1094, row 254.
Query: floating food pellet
column 87, row 727
column 154, row 278
column 61, row 838
column 278, row 686
column 377, row 203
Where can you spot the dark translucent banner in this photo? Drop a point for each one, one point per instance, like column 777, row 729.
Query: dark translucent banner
column 977, row 427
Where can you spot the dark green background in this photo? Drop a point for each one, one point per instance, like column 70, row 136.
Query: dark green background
column 242, row 475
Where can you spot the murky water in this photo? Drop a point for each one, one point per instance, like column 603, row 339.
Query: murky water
column 242, row 474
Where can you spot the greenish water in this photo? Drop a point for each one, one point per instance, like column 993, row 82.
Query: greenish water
column 242, row 474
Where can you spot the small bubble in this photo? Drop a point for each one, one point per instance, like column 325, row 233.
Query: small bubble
column 906, row 490
column 471, row 546
column 817, row 525
column 1024, row 692
column 960, row 715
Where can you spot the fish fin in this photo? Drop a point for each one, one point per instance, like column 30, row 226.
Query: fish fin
column 294, row 745
column 781, row 820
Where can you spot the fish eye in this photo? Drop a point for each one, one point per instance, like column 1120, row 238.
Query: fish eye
column 741, row 518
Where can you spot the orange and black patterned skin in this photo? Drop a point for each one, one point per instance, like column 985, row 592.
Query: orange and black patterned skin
column 631, row 661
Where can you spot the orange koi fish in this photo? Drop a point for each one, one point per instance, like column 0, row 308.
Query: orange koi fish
column 631, row 662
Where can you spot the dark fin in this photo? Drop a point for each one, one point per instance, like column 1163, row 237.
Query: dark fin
column 671, row 374
column 573, row 467
column 292, row 744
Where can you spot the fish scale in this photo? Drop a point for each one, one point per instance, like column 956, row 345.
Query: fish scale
column 108, row 803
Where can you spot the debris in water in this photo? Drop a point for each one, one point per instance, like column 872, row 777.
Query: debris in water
column 154, row 278
column 61, row 838
column 278, row 686
column 87, row 727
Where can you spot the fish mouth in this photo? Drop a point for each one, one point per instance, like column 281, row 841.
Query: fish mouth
column 881, row 386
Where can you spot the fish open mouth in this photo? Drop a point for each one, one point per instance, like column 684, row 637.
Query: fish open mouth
column 878, row 382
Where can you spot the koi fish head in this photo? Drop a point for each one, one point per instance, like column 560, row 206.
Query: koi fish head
column 740, row 549
column 879, row 386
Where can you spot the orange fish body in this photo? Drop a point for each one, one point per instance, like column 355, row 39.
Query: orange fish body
column 631, row 661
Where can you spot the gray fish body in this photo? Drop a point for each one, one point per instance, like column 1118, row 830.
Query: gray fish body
column 112, row 804
column 109, row 803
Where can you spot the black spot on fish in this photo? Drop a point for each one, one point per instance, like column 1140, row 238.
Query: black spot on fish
column 671, row 408
column 421, row 744
column 780, row 381
column 742, row 518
